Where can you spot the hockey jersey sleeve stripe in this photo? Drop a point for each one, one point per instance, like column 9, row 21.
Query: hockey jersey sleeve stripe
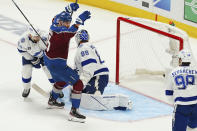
column 186, row 99
column 101, row 70
column 21, row 51
column 88, row 61
column 169, row 92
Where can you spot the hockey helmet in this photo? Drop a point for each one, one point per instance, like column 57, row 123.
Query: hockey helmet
column 65, row 17
column 82, row 36
column 33, row 33
column 185, row 55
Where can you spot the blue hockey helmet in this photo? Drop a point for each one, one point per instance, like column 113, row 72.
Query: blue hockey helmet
column 65, row 17
column 82, row 36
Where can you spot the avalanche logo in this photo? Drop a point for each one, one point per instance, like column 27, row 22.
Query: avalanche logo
column 162, row 4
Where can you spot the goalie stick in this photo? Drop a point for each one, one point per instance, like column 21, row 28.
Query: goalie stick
column 40, row 90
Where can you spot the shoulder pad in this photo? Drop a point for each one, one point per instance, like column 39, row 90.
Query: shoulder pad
column 22, row 40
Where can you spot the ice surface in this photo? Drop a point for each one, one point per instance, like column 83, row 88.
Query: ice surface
column 32, row 115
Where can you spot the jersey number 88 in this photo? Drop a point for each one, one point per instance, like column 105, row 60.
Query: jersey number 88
column 183, row 81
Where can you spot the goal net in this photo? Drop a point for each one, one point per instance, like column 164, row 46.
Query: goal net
column 141, row 47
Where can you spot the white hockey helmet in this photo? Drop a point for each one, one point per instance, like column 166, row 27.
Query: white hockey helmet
column 33, row 33
column 185, row 55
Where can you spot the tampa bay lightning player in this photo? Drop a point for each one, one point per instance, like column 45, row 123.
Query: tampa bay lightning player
column 182, row 92
column 95, row 77
column 32, row 49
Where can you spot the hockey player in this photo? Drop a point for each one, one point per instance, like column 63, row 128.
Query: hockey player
column 182, row 92
column 95, row 77
column 32, row 49
column 56, row 59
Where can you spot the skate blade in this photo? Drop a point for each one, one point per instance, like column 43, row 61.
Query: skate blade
column 54, row 107
column 74, row 119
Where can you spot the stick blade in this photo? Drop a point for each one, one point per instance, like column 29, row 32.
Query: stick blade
column 40, row 90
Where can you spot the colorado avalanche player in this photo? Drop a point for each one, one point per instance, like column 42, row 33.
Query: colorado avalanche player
column 182, row 92
column 32, row 50
column 56, row 59
column 95, row 77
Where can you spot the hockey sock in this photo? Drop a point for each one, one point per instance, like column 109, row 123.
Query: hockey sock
column 55, row 95
column 57, row 89
column 75, row 102
column 76, row 94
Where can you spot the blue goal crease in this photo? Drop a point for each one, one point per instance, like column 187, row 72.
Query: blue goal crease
column 143, row 107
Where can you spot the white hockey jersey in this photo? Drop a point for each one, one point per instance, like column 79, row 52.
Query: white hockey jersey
column 29, row 49
column 182, row 86
column 88, row 62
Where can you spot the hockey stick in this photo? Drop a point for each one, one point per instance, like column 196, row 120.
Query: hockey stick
column 148, row 72
column 40, row 90
column 76, row 1
column 28, row 21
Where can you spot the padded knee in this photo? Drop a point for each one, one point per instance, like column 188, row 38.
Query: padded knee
column 77, row 87
column 59, row 85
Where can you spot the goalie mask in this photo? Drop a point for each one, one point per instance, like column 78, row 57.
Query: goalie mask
column 185, row 56
column 82, row 36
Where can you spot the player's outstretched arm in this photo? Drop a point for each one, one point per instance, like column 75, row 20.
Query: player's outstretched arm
column 82, row 18
column 72, row 7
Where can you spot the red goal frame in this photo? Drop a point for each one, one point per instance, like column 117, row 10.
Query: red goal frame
column 119, row 19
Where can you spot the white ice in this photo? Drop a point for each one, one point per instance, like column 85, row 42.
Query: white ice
column 32, row 115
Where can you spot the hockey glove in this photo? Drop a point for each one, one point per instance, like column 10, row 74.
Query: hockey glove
column 71, row 7
column 83, row 17
column 36, row 62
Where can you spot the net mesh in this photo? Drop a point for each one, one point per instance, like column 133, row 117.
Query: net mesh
column 143, row 51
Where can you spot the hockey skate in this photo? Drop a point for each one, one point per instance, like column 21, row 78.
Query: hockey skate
column 76, row 116
column 53, row 103
column 25, row 93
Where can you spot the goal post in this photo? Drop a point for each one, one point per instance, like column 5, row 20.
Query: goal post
column 145, row 25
